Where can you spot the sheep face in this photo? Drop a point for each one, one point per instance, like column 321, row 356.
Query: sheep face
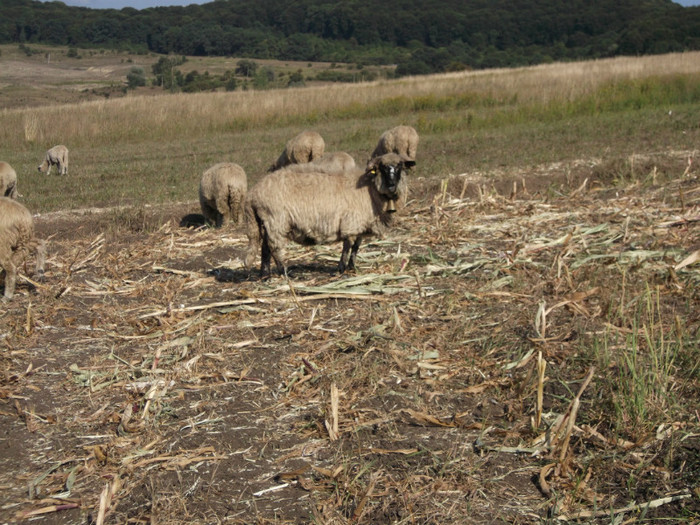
column 387, row 173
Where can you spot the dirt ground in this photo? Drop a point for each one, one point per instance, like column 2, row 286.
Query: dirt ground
column 151, row 379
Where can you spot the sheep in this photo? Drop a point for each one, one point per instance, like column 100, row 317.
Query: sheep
column 336, row 162
column 402, row 140
column 17, row 240
column 222, row 190
column 8, row 181
column 316, row 207
column 56, row 156
column 305, row 147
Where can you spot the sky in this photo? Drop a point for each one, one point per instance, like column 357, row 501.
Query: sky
column 143, row 4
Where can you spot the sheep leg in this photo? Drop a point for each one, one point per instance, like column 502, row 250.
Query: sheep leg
column 10, row 280
column 277, row 251
column 353, row 253
column 343, row 263
column 349, row 248
column 223, row 214
column 265, row 257
column 10, row 274
column 209, row 214
column 40, row 248
column 237, row 210
column 250, row 254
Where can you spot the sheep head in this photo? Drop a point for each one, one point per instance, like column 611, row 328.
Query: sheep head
column 387, row 172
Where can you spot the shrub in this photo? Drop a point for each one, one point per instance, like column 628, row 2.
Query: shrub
column 136, row 78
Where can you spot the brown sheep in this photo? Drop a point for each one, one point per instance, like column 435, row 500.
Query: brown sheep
column 316, row 207
column 8, row 181
column 305, row 147
column 402, row 140
column 56, row 156
column 221, row 193
column 17, row 240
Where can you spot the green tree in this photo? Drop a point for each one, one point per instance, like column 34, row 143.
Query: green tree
column 296, row 79
column 263, row 78
column 136, row 77
column 246, row 68
column 229, row 79
column 164, row 72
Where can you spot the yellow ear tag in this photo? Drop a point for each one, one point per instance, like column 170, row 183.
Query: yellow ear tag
column 373, row 172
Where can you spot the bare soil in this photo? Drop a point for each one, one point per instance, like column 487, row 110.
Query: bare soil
column 151, row 379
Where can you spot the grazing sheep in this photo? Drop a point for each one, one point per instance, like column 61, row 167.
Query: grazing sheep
column 336, row 162
column 305, row 147
column 221, row 193
column 56, row 156
column 17, row 240
column 8, row 181
column 316, row 207
column 402, row 140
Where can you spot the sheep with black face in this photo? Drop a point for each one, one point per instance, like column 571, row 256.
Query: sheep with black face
column 310, row 206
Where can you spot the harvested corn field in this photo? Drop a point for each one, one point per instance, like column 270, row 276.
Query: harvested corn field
column 521, row 348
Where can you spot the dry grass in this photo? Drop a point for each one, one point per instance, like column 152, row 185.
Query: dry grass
column 172, row 116
column 150, row 380
column 521, row 348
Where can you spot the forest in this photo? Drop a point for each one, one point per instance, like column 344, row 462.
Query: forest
column 419, row 37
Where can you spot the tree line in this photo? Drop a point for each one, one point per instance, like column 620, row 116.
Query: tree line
column 419, row 36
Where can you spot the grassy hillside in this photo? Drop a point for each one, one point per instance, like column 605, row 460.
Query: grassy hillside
column 151, row 149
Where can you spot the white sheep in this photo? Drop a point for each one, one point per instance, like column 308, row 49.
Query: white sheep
column 56, row 156
column 17, row 240
column 305, row 147
column 315, row 207
column 222, row 190
column 8, row 181
column 402, row 140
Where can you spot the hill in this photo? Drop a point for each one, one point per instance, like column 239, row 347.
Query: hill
column 39, row 75
column 421, row 37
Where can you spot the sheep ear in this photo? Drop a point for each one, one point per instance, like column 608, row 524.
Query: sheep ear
column 409, row 163
column 372, row 167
